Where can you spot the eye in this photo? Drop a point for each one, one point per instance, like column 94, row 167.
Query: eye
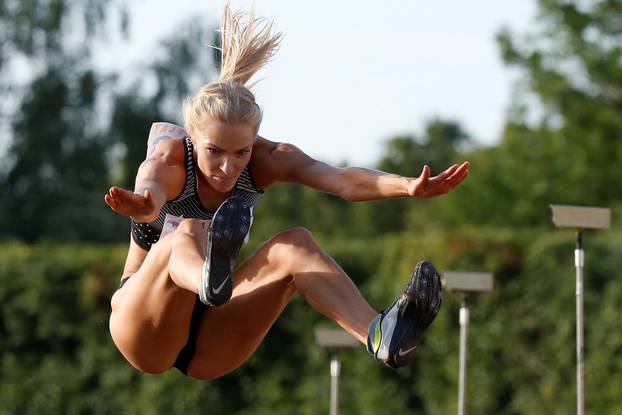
column 212, row 150
column 244, row 152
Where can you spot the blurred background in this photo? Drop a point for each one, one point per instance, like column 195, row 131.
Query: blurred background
column 529, row 93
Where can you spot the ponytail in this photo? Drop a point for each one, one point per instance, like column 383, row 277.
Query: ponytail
column 245, row 49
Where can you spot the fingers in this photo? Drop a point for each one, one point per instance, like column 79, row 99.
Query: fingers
column 114, row 197
column 124, row 196
column 458, row 175
column 424, row 186
column 108, row 200
column 447, row 173
column 111, row 199
column 425, row 175
column 449, row 179
column 451, row 172
column 122, row 201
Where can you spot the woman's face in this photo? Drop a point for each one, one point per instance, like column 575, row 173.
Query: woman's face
column 223, row 151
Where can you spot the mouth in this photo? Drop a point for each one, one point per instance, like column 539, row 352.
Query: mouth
column 223, row 179
column 222, row 184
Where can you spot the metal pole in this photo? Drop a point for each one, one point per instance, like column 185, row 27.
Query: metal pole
column 464, row 326
column 579, row 256
column 335, row 371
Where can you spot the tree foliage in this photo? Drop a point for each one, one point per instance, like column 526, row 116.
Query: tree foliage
column 54, row 310
column 76, row 130
column 572, row 65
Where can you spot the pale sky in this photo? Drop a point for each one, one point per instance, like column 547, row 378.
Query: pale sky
column 352, row 74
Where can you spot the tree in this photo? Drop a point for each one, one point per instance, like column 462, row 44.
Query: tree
column 58, row 159
column 572, row 64
column 56, row 153
column 64, row 153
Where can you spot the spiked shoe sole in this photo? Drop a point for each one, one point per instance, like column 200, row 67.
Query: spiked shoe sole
column 230, row 225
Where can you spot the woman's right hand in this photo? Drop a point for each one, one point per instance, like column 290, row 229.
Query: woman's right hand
column 141, row 208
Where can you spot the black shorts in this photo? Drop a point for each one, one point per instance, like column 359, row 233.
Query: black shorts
column 187, row 352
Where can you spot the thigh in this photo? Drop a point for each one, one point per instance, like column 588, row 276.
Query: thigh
column 228, row 335
column 150, row 314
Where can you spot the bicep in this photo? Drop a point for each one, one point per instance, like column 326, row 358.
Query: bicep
column 291, row 165
column 151, row 169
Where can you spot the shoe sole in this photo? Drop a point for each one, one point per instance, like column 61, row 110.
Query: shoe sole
column 230, row 225
column 424, row 294
column 421, row 301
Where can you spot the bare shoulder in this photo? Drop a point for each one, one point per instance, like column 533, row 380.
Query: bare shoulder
column 172, row 152
column 273, row 162
column 166, row 130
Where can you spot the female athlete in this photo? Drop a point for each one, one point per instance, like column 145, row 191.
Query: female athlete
column 180, row 302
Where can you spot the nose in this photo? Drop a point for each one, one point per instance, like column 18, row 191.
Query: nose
column 227, row 166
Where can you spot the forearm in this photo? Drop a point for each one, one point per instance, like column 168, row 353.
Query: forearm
column 158, row 193
column 151, row 176
column 360, row 184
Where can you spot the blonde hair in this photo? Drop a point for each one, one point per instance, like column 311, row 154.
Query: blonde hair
column 245, row 49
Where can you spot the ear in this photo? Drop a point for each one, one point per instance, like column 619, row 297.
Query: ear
column 191, row 136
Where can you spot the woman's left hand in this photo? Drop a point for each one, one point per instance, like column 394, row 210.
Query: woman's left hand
column 425, row 186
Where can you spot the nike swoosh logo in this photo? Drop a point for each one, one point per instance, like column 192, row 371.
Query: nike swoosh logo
column 401, row 352
column 218, row 289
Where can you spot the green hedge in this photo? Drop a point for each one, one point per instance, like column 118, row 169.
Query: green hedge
column 56, row 355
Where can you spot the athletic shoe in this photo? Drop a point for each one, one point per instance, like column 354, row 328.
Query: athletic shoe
column 230, row 225
column 395, row 333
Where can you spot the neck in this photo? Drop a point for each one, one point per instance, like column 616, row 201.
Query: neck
column 210, row 197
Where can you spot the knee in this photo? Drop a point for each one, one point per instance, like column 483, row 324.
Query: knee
column 189, row 228
column 297, row 238
column 288, row 246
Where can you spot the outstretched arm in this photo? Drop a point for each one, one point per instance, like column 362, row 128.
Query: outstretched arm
column 157, row 181
column 288, row 164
